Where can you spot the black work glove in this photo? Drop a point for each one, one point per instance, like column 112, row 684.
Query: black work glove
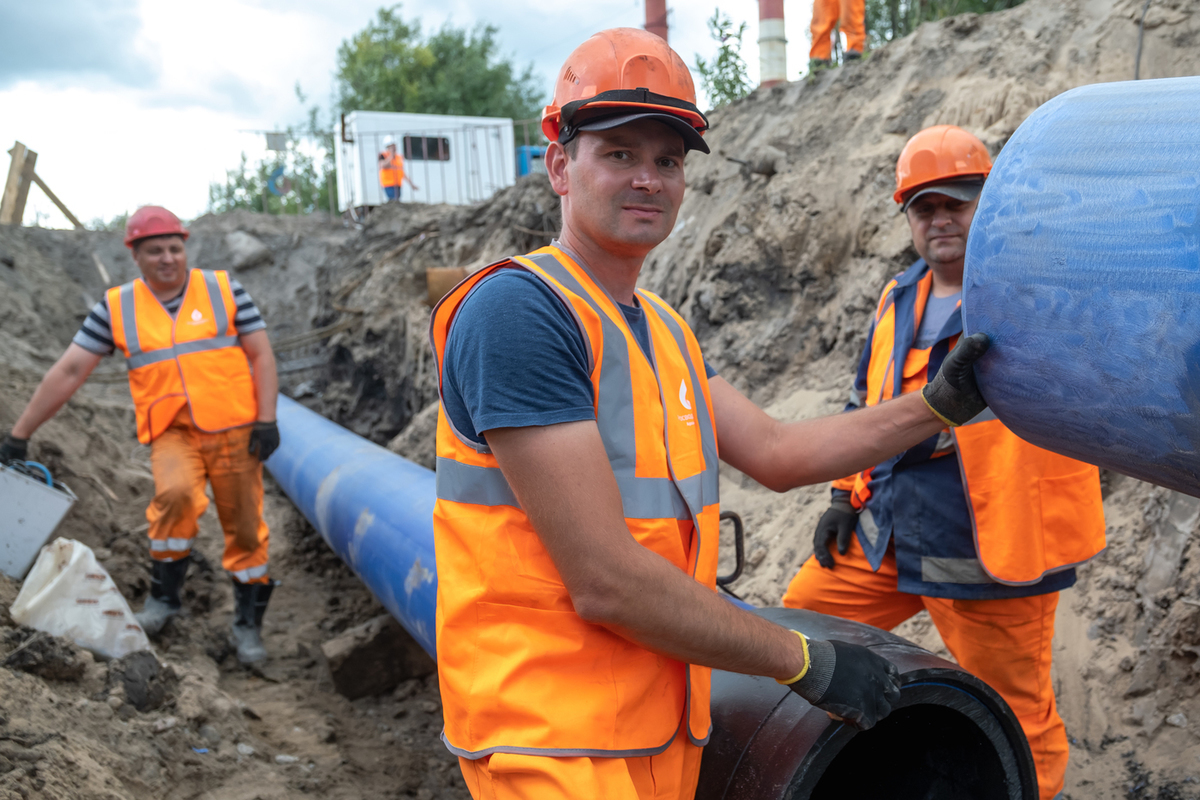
column 849, row 682
column 13, row 449
column 840, row 520
column 264, row 439
column 953, row 394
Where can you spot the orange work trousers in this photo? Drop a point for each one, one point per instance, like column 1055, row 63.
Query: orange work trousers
column 185, row 458
column 670, row 775
column 1004, row 642
column 850, row 16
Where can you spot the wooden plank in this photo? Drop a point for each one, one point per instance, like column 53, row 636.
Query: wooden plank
column 54, row 199
column 12, row 202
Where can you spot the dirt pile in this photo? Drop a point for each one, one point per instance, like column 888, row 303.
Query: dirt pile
column 187, row 723
column 783, row 242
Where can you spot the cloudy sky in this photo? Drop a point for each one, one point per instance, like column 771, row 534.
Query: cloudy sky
column 129, row 102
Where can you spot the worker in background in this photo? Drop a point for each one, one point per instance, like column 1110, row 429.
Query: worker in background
column 577, row 515
column 972, row 524
column 391, row 171
column 830, row 17
column 202, row 376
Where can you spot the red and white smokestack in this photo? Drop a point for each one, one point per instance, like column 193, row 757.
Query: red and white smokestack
column 656, row 18
column 772, row 45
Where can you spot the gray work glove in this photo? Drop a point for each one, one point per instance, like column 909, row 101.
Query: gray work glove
column 839, row 522
column 849, row 682
column 13, row 449
column 953, row 394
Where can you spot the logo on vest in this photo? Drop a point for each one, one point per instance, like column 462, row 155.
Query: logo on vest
column 683, row 401
column 197, row 316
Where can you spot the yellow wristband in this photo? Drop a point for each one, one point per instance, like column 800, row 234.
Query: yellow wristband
column 807, row 662
column 949, row 423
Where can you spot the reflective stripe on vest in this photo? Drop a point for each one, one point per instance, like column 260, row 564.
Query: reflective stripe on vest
column 503, row 677
column 1033, row 512
column 193, row 359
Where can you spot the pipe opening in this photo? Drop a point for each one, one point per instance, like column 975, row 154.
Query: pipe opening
column 921, row 752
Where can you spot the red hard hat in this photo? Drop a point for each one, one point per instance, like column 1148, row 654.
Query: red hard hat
column 625, row 69
column 152, row 221
column 943, row 152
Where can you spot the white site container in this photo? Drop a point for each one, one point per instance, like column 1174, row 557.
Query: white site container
column 30, row 510
column 455, row 160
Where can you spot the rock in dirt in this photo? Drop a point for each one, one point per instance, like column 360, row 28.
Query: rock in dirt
column 145, row 683
column 245, row 250
column 46, row 656
column 374, row 657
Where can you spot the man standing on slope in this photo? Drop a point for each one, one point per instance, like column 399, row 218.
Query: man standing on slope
column 577, row 514
column 202, row 376
column 842, row 16
column 973, row 524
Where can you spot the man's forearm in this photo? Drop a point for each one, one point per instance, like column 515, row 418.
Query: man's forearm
column 266, row 385
column 56, row 388
column 664, row 610
column 840, row 445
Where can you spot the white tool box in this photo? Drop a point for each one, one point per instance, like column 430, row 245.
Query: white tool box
column 30, row 510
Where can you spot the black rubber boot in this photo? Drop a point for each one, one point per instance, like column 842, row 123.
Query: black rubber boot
column 250, row 603
column 166, row 583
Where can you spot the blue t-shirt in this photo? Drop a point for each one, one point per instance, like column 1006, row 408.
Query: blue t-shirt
column 515, row 358
column 937, row 311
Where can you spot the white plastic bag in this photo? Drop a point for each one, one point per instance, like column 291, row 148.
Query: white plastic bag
column 68, row 594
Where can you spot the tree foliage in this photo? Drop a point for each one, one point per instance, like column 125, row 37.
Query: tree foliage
column 307, row 164
column 724, row 77
column 892, row 19
column 389, row 66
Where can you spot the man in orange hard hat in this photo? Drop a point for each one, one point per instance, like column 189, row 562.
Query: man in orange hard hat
column 973, row 524
column 391, row 171
column 202, row 376
column 848, row 17
column 577, row 511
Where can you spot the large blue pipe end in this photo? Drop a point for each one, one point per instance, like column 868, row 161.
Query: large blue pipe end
column 374, row 508
column 1083, row 265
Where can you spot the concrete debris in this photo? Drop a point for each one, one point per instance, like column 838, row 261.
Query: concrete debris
column 246, row 251
column 1177, row 720
column 285, row 759
column 245, row 750
column 374, row 657
column 165, row 724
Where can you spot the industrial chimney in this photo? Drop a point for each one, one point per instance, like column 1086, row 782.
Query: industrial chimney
column 656, row 18
column 772, row 46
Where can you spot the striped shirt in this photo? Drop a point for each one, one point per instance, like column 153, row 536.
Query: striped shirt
column 95, row 335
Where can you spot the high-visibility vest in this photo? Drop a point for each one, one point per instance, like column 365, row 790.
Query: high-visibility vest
column 1033, row 512
column 193, row 360
column 519, row 670
column 391, row 171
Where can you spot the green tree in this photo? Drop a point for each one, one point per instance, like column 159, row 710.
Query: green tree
column 390, row 66
column 892, row 19
column 724, row 77
column 307, row 164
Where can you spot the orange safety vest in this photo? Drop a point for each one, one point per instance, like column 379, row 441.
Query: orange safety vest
column 391, row 173
column 1033, row 512
column 519, row 670
column 192, row 360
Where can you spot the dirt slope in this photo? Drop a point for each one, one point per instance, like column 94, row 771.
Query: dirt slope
column 776, row 261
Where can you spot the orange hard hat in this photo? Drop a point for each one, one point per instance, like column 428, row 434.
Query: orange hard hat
column 150, row 221
column 941, row 153
column 632, row 73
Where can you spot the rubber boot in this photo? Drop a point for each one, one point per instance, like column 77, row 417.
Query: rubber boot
column 250, row 601
column 166, row 582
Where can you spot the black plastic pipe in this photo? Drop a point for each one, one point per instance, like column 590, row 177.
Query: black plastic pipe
column 952, row 737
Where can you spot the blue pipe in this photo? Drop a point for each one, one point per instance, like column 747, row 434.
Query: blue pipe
column 373, row 508
column 1083, row 265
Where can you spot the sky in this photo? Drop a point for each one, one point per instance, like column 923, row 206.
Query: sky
column 131, row 102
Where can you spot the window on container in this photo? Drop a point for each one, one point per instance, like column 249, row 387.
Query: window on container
column 426, row 148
